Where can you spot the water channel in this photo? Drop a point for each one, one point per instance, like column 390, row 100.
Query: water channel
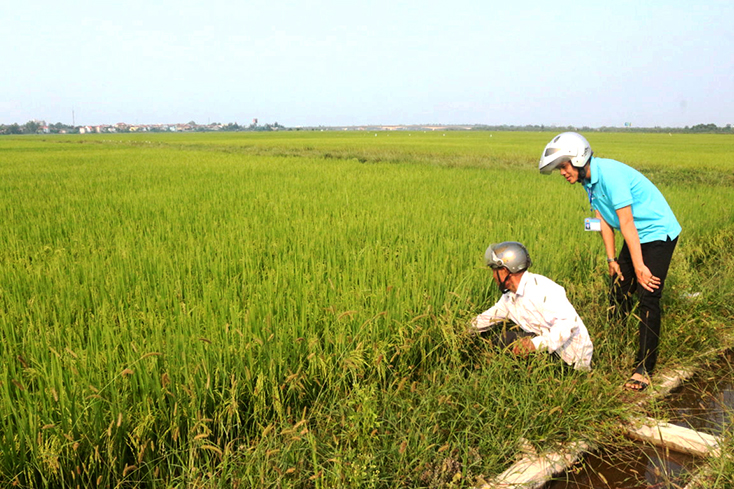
column 704, row 403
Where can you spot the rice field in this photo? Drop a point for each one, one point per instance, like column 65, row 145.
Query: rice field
column 290, row 309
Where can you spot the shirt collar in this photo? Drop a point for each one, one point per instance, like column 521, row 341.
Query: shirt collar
column 523, row 282
column 594, row 167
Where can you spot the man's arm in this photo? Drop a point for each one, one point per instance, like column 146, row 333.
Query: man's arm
column 558, row 331
column 607, row 236
column 490, row 317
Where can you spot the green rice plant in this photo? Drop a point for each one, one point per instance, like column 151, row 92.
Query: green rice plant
column 290, row 309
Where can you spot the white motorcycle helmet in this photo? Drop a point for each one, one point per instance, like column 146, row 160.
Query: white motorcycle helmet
column 508, row 254
column 567, row 146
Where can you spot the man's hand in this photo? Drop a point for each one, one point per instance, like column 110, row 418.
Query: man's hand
column 615, row 271
column 523, row 347
column 646, row 279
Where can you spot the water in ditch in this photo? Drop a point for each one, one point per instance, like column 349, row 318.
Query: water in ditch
column 705, row 403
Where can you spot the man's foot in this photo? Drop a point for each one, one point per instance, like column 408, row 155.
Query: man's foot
column 638, row 382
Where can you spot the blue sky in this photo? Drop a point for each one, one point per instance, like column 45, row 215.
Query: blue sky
column 650, row 63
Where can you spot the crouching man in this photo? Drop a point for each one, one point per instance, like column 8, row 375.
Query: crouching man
column 544, row 319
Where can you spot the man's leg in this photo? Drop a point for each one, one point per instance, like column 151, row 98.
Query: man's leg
column 508, row 336
column 657, row 256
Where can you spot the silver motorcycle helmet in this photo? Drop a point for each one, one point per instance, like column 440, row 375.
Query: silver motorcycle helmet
column 508, row 254
column 567, row 146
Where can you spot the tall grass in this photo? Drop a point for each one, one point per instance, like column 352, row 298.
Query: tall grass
column 290, row 309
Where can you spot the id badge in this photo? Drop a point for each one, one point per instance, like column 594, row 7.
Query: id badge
column 592, row 224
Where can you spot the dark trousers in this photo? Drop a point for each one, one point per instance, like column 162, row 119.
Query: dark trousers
column 507, row 333
column 657, row 256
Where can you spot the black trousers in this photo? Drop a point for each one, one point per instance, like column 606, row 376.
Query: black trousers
column 657, row 256
column 506, row 333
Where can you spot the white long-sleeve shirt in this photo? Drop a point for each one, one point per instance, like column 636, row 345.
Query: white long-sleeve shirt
column 540, row 307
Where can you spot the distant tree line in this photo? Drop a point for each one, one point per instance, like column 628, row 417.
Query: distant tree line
column 39, row 127
column 698, row 128
column 36, row 127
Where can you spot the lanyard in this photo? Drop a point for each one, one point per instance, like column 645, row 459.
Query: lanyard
column 591, row 198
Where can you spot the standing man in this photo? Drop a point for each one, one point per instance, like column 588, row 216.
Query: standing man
column 623, row 199
column 538, row 307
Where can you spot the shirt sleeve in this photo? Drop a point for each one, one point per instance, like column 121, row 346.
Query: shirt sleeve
column 491, row 316
column 618, row 189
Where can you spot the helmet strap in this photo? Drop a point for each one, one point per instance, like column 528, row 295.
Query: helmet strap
column 503, row 285
column 583, row 172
